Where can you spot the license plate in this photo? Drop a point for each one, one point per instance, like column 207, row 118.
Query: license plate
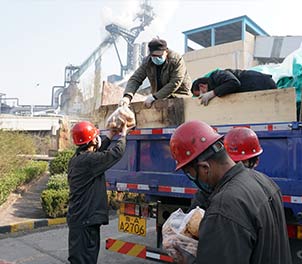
column 132, row 224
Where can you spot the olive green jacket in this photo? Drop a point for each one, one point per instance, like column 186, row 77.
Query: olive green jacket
column 174, row 78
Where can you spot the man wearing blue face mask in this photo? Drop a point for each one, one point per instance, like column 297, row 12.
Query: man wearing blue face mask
column 166, row 71
column 241, row 144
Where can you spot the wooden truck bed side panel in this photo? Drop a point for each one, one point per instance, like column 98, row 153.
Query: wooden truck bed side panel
column 251, row 107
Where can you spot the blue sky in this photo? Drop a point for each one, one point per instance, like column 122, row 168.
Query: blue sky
column 40, row 37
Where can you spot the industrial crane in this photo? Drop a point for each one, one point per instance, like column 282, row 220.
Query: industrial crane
column 73, row 73
column 145, row 17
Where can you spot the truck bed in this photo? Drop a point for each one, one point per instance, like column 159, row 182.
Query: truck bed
column 147, row 167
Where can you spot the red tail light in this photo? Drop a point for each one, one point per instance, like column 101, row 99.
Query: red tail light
column 294, row 231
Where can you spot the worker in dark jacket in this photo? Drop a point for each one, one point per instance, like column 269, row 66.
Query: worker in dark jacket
column 88, row 205
column 244, row 222
column 166, row 71
column 222, row 82
column 241, row 144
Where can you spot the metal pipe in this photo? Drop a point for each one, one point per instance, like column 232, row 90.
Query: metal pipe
column 53, row 92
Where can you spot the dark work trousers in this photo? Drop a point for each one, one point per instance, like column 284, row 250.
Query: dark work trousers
column 84, row 244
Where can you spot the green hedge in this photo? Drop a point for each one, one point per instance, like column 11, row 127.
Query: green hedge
column 11, row 181
column 34, row 169
column 14, row 145
column 54, row 202
column 57, row 182
column 59, row 164
column 54, row 198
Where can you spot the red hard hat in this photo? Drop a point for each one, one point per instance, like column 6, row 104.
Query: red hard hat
column 242, row 143
column 191, row 139
column 84, row 132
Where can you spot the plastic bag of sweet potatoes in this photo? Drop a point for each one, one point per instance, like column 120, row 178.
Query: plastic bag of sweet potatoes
column 120, row 116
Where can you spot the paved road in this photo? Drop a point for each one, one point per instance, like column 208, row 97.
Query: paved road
column 49, row 245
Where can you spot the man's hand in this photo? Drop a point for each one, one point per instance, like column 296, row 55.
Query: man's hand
column 112, row 132
column 125, row 129
column 124, row 101
column 149, row 101
column 206, row 97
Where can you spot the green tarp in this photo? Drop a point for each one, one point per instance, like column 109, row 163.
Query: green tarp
column 286, row 74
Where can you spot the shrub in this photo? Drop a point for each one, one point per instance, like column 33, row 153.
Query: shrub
column 13, row 147
column 57, row 182
column 54, row 202
column 59, row 164
column 7, row 185
column 34, row 168
column 54, row 198
column 10, row 181
column 15, row 169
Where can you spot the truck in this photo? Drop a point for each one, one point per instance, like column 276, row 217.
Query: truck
column 148, row 168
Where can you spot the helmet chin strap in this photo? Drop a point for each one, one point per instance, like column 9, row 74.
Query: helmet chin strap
column 204, row 187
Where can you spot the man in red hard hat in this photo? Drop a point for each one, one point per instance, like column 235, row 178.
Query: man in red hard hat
column 242, row 144
column 88, row 205
column 244, row 221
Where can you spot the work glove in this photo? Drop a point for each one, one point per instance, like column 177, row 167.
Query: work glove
column 149, row 101
column 124, row 101
column 206, row 97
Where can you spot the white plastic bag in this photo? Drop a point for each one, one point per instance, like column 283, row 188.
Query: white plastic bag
column 121, row 115
column 182, row 229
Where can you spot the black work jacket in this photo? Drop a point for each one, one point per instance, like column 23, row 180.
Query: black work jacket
column 245, row 222
column 236, row 81
column 200, row 199
column 88, row 202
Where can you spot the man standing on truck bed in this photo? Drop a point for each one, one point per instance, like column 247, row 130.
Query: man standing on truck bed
column 223, row 82
column 166, row 71
column 88, row 204
column 244, row 222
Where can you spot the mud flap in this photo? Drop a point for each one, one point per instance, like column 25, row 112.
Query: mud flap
column 137, row 250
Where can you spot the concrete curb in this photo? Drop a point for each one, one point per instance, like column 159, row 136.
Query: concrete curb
column 30, row 225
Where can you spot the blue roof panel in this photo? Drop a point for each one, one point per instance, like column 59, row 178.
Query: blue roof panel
column 223, row 32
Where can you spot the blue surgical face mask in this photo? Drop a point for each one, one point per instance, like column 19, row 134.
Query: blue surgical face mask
column 200, row 184
column 158, row 60
column 204, row 186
